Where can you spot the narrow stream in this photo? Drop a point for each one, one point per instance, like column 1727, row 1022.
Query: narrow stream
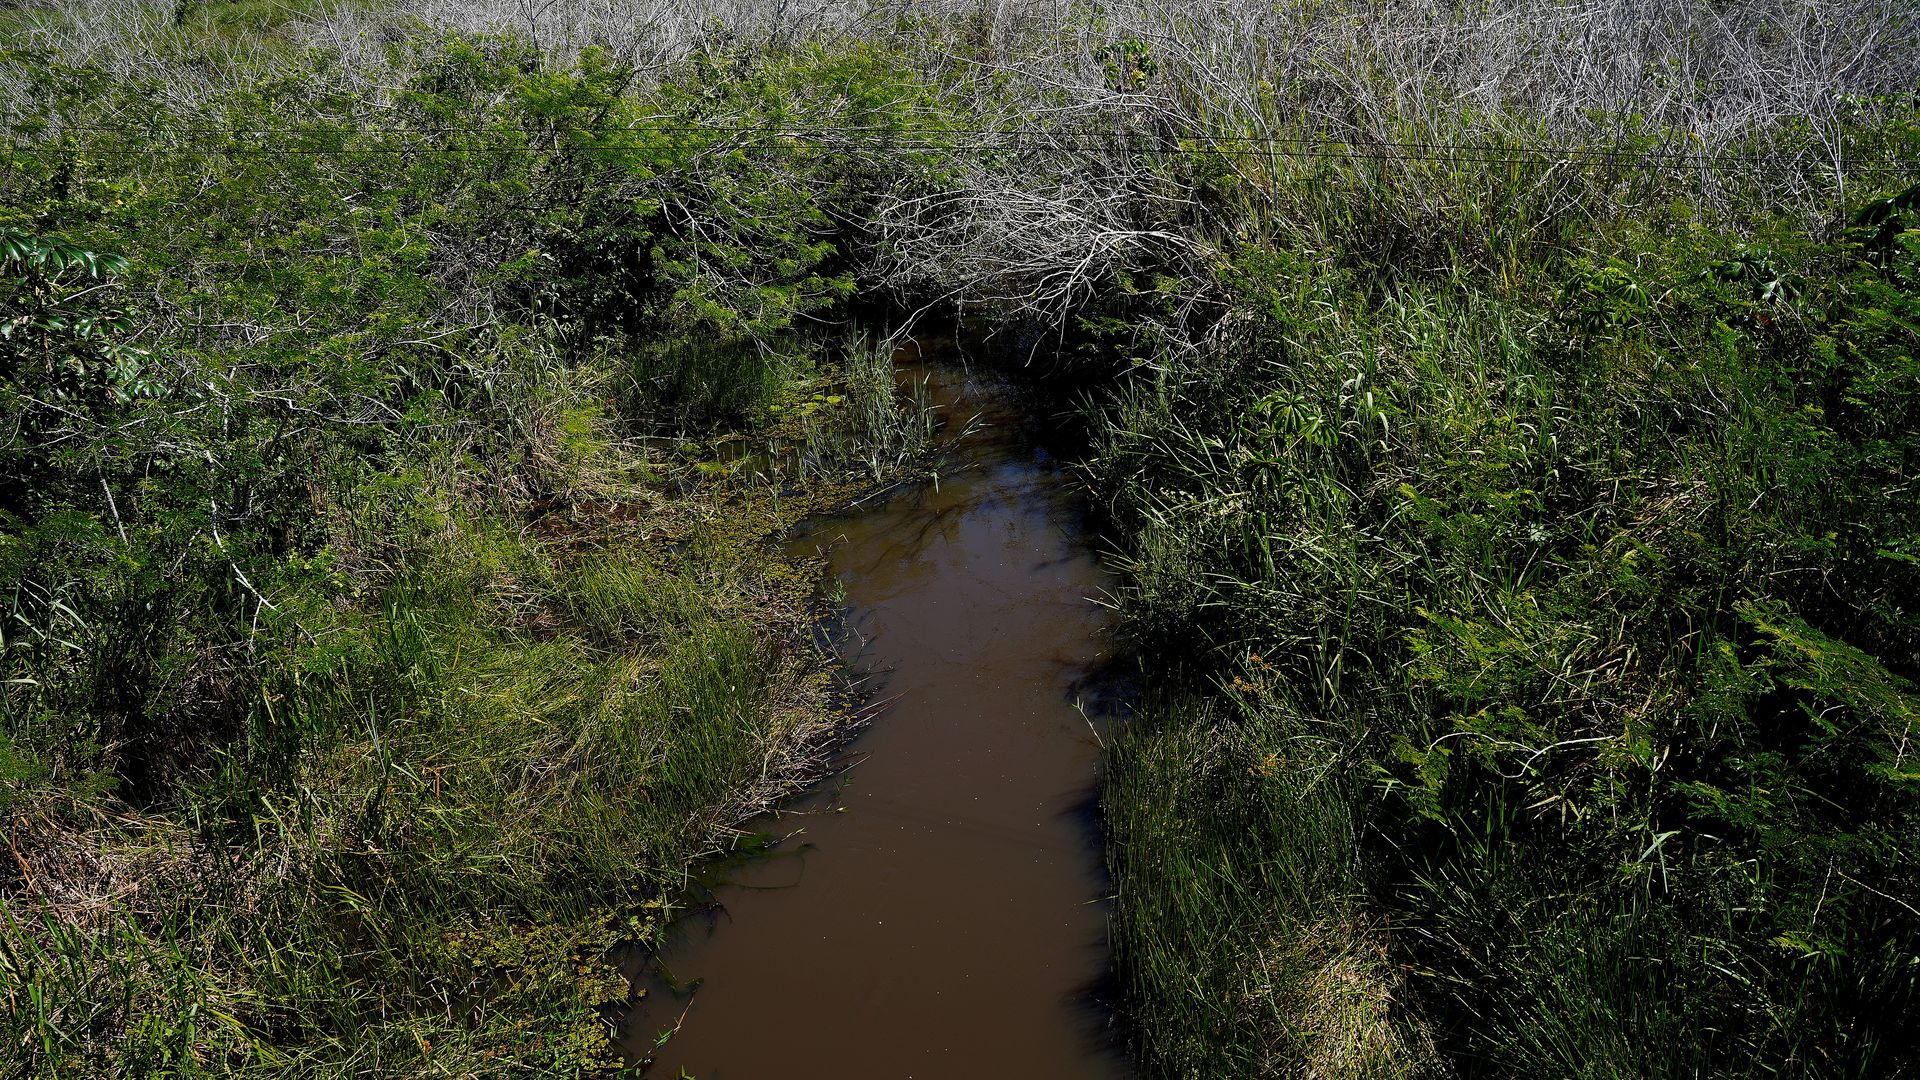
column 938, row 911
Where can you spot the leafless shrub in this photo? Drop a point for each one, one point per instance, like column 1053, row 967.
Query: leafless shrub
column 1069, row 171
column 1585, row 106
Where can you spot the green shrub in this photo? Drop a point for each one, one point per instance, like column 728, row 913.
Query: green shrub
column 1595, row 590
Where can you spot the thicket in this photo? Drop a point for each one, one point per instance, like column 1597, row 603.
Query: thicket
column 386, row 620
column 1552, row 647
column 1532, row 643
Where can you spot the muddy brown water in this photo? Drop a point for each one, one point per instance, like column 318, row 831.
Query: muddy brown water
column 937, row 909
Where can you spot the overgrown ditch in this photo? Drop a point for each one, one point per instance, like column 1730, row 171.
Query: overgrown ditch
column 1509, row 463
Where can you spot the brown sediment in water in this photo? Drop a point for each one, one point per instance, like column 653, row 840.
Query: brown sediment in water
column 939, row 909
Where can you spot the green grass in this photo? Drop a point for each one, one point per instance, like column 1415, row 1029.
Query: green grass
column 434, row 816
column 1520, row 551
column 244, row 31
column 1242, row 932
column 389, row 621
column 1547, row 671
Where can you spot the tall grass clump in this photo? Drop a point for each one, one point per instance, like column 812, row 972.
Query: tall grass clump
column 1242, row 931
column 1581, row 598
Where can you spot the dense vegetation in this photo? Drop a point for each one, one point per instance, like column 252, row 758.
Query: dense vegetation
column 385, row 622
column 1506, row 415
column 1553, row 709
